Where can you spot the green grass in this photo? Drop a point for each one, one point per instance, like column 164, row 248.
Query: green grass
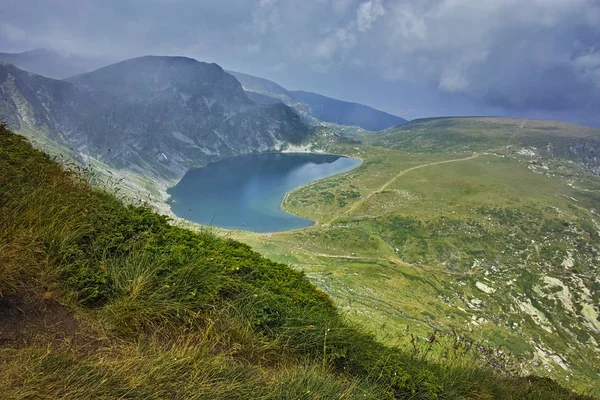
column 479, row 134
column 415, row 249
column 163, row 312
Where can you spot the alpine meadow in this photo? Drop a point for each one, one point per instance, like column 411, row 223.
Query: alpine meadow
column 334, row 199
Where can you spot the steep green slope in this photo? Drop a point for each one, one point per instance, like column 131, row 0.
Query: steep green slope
column 102, row 300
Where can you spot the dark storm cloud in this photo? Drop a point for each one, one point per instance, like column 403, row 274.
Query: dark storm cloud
column 516, row 54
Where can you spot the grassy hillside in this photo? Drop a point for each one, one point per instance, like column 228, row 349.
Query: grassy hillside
column 102, row 300
column 495, row 239
column 435, row 135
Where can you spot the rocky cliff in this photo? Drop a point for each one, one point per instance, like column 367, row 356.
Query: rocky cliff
column 158, row 116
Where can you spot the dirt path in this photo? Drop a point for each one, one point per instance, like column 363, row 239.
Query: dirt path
column 517, row 132
column 390, row 259
column 393, row 259
column 388, row 183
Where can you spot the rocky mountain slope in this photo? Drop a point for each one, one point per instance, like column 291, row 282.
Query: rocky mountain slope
column 316, row 109
column 347, row 113
column 159, row 116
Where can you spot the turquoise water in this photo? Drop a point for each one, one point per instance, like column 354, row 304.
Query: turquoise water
column 246, row 192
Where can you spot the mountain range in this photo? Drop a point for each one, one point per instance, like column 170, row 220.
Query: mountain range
column 158, row 116
column 52, row 63
column 314, row 109
column 495, row 219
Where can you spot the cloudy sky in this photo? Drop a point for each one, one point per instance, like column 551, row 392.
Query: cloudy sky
column 414, row 58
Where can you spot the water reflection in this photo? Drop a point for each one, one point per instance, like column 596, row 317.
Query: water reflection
column 246, row 191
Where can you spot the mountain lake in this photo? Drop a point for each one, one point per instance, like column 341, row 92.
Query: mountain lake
column 245, row 192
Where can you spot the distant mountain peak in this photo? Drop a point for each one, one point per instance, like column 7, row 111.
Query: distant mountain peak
column 316, row 109
column 137, row 77
column 347, row 113
column 159, row 116
column 51, row 63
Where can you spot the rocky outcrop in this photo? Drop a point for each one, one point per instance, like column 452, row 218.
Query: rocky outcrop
column 159, row 116
column 587, row 152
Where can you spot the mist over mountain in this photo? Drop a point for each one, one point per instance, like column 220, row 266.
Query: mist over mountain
column 347, row 113
column 155, row 115
column 260, row 85
column 314, row 108
column 51, row 63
